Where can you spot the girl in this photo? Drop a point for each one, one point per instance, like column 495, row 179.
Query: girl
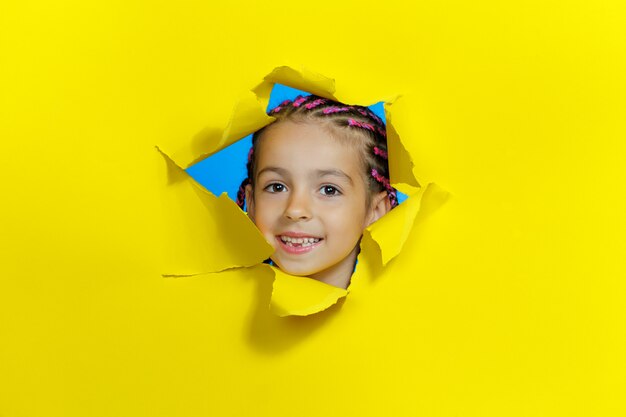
column 317, row 177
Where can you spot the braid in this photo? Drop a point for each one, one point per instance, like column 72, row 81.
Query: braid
column 241, row 193
column 357, row 121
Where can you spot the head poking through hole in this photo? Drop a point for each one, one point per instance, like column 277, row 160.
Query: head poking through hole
column 317, row 177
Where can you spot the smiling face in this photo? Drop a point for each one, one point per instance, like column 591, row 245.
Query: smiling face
column 310, row 200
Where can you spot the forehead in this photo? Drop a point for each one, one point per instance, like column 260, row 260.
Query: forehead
column 306, row 146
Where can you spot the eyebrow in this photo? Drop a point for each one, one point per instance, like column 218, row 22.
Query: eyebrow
column 320, row 173
column 279, row 171
column 335, row 173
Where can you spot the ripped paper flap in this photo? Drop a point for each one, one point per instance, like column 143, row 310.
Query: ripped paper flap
column 301, row 296
column 205, row 233
column 391, row 231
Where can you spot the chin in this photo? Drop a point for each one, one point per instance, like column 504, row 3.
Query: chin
column 299, row 271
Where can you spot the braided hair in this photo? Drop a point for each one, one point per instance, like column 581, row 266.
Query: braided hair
column 355, row 121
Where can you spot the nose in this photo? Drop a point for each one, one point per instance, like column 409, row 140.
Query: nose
column 298, row 206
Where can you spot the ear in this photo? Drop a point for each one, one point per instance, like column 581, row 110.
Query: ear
column 250, row 201
column 379, row 207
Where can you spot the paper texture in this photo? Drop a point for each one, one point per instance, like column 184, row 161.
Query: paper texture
column 507, row 301
column 241, row 244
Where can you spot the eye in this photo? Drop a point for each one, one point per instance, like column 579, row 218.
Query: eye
column 275, row 187
column 330, row 190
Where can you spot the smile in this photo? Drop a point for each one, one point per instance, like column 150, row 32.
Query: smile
column 298, row 245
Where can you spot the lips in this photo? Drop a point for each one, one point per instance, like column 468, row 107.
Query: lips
column 298, row 243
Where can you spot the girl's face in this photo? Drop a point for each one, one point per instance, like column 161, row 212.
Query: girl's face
column 310, row 201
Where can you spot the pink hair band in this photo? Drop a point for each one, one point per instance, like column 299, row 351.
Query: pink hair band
column 380, row 152
column 314, row 103
column 367, row 126
column 384, row 181
column 298, row 102
column 335, row 109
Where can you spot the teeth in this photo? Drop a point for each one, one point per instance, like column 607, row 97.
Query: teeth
column 304, row 241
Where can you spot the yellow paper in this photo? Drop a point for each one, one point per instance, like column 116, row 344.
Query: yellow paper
column 301, row 296
column 214, row 225
column 302, row 79
column 506, row 301
column 296, row 295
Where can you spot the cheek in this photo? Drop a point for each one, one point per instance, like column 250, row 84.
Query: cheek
column 349, row 219
column 263, row 215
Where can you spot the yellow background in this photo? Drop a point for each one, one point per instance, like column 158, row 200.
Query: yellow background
column 508, row 301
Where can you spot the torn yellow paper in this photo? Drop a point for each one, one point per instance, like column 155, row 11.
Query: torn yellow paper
column 303, row 79
column 301, row 296
column 294, row 295
column 203, row 231
column 400, row 161
column 247, row 117
column 391, row 231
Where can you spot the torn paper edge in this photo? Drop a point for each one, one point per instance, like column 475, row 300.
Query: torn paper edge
column 253, row 105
